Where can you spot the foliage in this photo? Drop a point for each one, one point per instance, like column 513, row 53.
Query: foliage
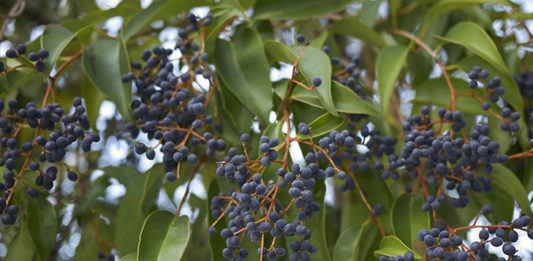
column 266, row 129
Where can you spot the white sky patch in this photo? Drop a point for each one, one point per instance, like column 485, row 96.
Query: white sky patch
column 113, row 25
column 107, row 4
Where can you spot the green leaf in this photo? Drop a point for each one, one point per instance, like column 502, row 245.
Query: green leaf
column 512, row 94
column 42, row 225
column 369, row 11
column 475, row 39
column 345, row 244
column 436, row 92
column 89, row 245
column 158, row 10
column 135, row 205
column 93, row 99
column 296, row 9
column 367, row 239
column 54, row 39
column 446, row 6
column 316, row 223
column 96, row 190
column 164, row 237
column 104, row 62
column 388, row 67
column 216, row 243
column 243, row 67
column 279, row 52
column 324, row 124
column 393, row 246
column 353, row 27
column 408, row 218
column 315, row 63
column 129, row 257
column 506, row 180
column 21, row 248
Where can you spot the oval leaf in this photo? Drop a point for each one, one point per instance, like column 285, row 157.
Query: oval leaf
column 408, row 218
column 42, row 225
column 315, row 63
column 243, row 67
column 346, row 244
column 393, row 246
column 507, row 181
column 445, row 6
column 388, row 67
column 474, row 38
column 164, row 237
column 54, row 39
column 104, row 62
column 353, row 27
column 296, row 9
column 156, row 11
column 134, row 206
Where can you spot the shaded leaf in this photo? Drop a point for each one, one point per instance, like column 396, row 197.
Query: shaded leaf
column 475, row 39
column 54, row 39
column 393, row 246
column 134, row 206
column 506, row 180
column 156, row 11
column 163, row 237
column 296, row 9
column 21, row 247
column 346, row 244
column 324, row 124
column 104, row 62
column 388, row 67
column 445, row 6
column 408, row 218
column 243, row 67
column 353, row 27
column 367, row 239
column 42, row 225
column 316, row 223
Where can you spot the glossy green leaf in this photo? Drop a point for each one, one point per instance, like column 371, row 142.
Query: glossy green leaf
column 346, row 244
column 475, row 39
column 408, row 218
column 324, row 124
column 436, row 92
column 135, row 205
column 369, row 11
column 353, row 27
column 296, row 9
column 129, row 257
column 21, row 248
column 445, row 6
column 279, row 52
column 388, row 67
column 507, row 181
column 89, row 245
column 164, row 237
column 366, row 240
column 93, row 99
column 54, row 39
column 315, row 63
column 243, row 67
column 96, row 190
column 316, row 223
column 393, row 246
column 104, row 62
column 216, row 243
column 512, row 93
column 158, row 10
column 42, row 225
